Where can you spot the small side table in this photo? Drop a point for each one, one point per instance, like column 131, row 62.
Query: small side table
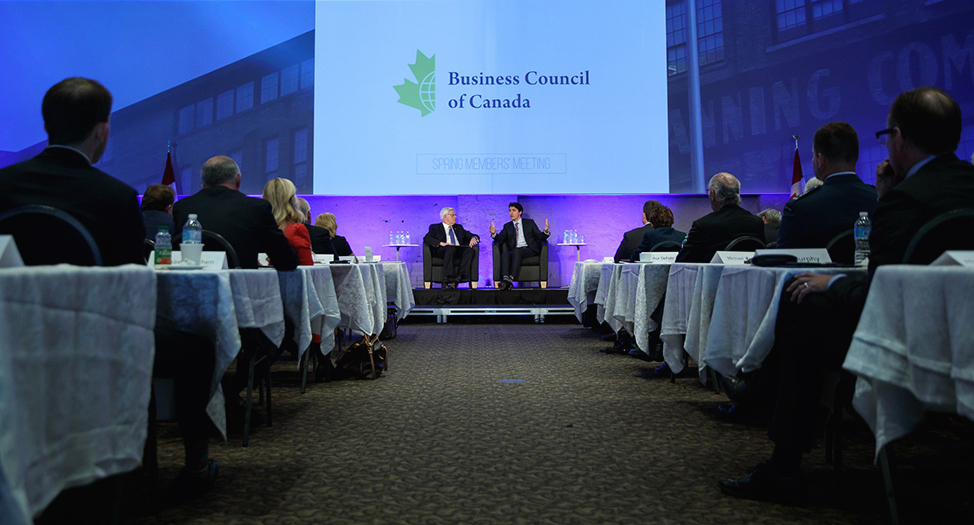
column 578, row 248
column 397, row 246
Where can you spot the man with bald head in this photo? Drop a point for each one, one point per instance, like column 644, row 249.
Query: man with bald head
column 246, row 223
column 714, row 231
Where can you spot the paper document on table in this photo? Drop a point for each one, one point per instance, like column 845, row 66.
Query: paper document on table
column 963, row 258
column 732, row 257
column 208, row 261
column 9, row 254
column 804, row 255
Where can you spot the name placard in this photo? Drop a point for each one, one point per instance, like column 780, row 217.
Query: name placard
column 9, row 254
column 208, row 260
column 804, row 255
column 658, row 257
column 963, row 258
column 732, row 257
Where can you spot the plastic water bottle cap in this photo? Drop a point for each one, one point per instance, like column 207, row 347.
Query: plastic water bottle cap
column 192, row 215
column 864, row 214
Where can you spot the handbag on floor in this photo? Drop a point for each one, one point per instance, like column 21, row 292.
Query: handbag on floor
column 364, row 359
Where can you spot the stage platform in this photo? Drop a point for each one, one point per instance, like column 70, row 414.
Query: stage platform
column 537, row 302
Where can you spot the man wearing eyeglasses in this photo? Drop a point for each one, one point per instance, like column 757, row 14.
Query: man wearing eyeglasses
column 446, row 240
column 921, row 179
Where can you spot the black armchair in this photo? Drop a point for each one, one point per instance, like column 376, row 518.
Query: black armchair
column 532, row 268
column 433, row 267
column 75, row 244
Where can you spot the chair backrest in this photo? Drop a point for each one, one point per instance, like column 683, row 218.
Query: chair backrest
column 948, row 231
column 213, row 240
column 148, row 245
column 46, row 235
column 842, row 247
column 746, row 243
column 541, row 274
column 667, row 246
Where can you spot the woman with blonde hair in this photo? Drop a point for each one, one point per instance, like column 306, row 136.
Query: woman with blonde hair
column 327, row 221
column 280, row 193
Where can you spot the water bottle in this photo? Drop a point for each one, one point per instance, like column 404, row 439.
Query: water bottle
column 407, row 237
column 863, row 226
column 163, row 247
column 566, row 237
column 392, row 238
column 192, row 230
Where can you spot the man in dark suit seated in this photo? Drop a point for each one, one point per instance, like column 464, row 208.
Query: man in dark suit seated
column 772, row 220
column 320, row 237
column 920, row 179
column 662, row 231
column 76, row 116
column 445, row 239
column 632, row 238
column 523, row 239
column 246, row 223
column 812, row 219
column 157, row 209
column 714, row 231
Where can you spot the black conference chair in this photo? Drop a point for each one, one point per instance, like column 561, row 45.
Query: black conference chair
column 745, row 243
column 64, row 239
column 667, row 246
column 148, row 245
column 948, row 231
column 842, row 247
column 532, row 268
column 213, row 241
column 433, row 267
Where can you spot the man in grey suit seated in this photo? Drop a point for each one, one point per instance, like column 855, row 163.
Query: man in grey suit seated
column 446, row 240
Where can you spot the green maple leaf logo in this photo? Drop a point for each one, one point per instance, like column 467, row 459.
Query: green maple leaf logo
column 421, row 96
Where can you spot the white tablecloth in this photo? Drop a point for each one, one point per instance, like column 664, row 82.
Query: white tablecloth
column 215, row 305
column 914, row 348
column 361, row 296
column 732, row 314
column 76, row 352
column 583, row 286
column 398, row 287
column 603, row 294
column 645, row 285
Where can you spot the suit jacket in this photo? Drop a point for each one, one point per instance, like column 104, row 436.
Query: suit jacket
column 153, row 219
column 943, row 184
column 247, row 223
column 770, row 233
column 630, row 240
column 532, row 235
column 297, row 235
column 320, row 239
column 437, row 234
column 656, row 236
column 713, row 231
column 341, row 246
column 64, row 179
column 813, row 219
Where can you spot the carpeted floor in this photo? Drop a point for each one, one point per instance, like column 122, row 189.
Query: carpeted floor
column 586, row 438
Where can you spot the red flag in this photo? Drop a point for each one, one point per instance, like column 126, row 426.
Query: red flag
column 796, row 177
column 168, row 176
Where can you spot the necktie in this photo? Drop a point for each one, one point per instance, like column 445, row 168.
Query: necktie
column 517, row 234
column 453, row 238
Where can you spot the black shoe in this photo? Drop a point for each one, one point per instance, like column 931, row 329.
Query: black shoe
column 450, row 285
column 735, row 388
column 662, row 370
column 732, row 413
column 190, row 485
column 609, row 337
column 764, row 485
column 639, row 354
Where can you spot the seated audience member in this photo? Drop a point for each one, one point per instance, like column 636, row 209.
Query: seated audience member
column 632, row 238
column 523, row 239
column 921, row 179
column 661, row 219
column 248, row 224
column 157, row 209
column 327, row 221
column 320, row 237
column 445, row 239
column 812, row 219
column 812, row 184
column 280, row 193
column 772, row 219
column 714, row 231
column 76, row 114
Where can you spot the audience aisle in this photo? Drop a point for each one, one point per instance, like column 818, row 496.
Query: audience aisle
column 587, row 438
